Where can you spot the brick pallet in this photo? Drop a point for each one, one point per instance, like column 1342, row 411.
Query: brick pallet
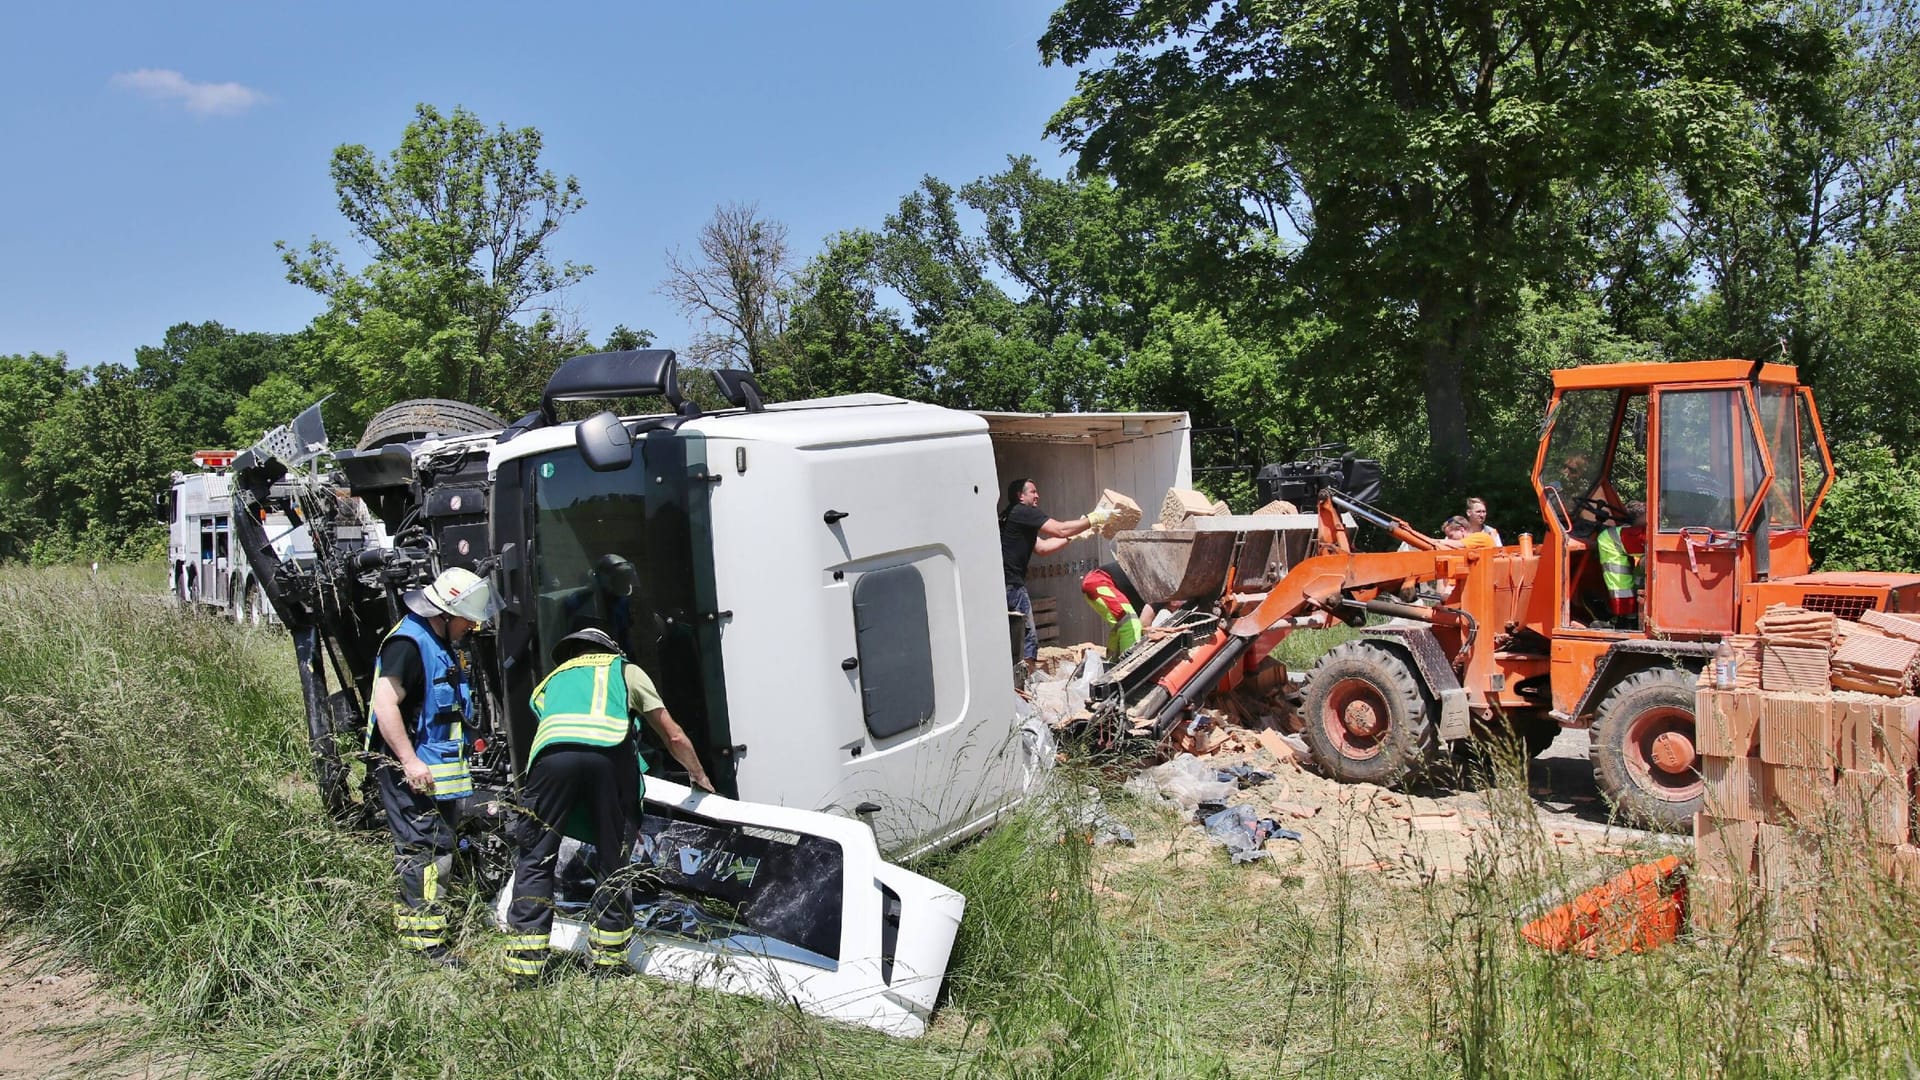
column 1794, row 779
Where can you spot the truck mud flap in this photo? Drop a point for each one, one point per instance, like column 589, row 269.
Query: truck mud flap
column 793, row 906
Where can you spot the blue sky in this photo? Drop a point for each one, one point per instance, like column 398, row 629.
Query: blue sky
column 156, row 151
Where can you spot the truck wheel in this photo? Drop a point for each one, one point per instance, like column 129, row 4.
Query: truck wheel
column 1644, row 758
column 255, row 606
column 1366, row 719
column 421, row 417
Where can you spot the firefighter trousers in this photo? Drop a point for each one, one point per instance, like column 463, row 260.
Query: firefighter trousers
column 424, row 835
column 602, row 783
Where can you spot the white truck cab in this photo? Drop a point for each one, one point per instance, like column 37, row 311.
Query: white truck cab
column 815, row 587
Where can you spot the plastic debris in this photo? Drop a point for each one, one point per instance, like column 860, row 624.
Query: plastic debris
column 1244, row 833
column 1186, row 782
column 1245, row 776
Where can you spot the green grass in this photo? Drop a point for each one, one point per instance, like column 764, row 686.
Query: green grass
column 155, row 822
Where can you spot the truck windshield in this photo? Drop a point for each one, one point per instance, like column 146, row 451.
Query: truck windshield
column 630, row 552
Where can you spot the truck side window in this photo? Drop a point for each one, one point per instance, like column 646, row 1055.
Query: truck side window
column 895, row 650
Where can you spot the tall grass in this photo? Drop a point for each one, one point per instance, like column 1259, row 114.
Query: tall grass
column 156, row 821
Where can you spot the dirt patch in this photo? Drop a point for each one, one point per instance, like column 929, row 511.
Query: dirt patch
column 1428, row 834
column 60, row 1021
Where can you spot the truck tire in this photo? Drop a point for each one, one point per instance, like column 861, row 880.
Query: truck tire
column 1644, row 757
column 421, row 417
column 1366, row 719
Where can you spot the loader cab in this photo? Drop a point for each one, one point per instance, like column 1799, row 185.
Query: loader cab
column 1727, row 458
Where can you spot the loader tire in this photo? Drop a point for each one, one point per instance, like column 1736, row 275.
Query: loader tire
column 1644, row 757
column 1366, row 718
column 421, row 417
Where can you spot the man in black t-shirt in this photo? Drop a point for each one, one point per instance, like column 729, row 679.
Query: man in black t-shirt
column 1026, row 531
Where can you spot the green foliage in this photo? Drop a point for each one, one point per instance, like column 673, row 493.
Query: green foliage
column 1871, row 517
column 458, row 221
column 1427, row 157
column 199, row 374
column 98, row 458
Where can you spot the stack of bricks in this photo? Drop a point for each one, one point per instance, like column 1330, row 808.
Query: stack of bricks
column 1798, row 774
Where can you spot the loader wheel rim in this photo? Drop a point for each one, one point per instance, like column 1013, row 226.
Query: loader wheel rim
column 1660, row 753
column 1355, row 718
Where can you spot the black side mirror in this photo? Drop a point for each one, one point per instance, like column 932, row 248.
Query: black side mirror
column 604, row 442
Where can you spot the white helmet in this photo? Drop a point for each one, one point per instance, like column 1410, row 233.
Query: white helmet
column 459, row 593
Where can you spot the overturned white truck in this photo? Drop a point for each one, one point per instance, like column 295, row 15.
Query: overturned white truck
column 815, row 588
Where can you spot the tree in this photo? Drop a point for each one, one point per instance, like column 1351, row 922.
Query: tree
column 200, row 373
column 1423, row 155
column 839, row 339
column 457, row 222
column 31, row 386
column 736, row 288
column 99, row 457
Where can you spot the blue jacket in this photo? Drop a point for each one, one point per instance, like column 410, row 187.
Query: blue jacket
column 438, row 732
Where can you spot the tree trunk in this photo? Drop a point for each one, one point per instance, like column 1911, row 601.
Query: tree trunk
column 1446, row 330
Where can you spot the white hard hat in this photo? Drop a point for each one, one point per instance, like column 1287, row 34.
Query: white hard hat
column 456, row 592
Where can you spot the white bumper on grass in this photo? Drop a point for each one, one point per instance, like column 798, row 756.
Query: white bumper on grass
column 789, row 905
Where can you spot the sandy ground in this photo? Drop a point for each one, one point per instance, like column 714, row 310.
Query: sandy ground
column 61, row 1022
column 1430, row 833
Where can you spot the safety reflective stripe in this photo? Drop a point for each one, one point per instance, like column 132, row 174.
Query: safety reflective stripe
column 419, row 930
column 450, row 779
column 1617, row 573
column 608, row 939
column 523, row 942
column 430, row 881
column 516, row 964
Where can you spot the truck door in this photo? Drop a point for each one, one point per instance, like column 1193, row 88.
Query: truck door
column 1709, row 475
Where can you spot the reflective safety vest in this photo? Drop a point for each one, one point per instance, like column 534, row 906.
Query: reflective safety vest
column 583, row 701
column 439, row 734
column 1108, row 602
column 1617, row 572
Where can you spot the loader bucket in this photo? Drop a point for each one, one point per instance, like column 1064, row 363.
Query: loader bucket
column 1175, row 564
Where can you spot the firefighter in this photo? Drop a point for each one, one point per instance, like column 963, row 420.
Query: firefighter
column 584, row 779
column 416, row 732
column 1621, row 570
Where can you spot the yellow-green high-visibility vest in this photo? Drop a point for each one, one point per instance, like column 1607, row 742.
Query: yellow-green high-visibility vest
column 1616, row 570
column 583, row 701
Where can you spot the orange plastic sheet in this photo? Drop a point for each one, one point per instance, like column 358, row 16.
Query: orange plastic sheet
column 1636, row 911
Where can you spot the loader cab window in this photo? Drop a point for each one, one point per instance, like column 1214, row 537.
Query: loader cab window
column 630, row 552
column 1780, row 426
column 1592, row 454
column 1816, row 468
column 1710, row 465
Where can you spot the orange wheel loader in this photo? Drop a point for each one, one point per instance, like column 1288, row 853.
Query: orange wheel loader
column 1725, row 461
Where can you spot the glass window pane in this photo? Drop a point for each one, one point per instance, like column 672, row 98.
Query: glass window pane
column 1628, row 474
column 1778, row 422
column 1577, row 448
column 1813, row 464
column 1696, row 459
